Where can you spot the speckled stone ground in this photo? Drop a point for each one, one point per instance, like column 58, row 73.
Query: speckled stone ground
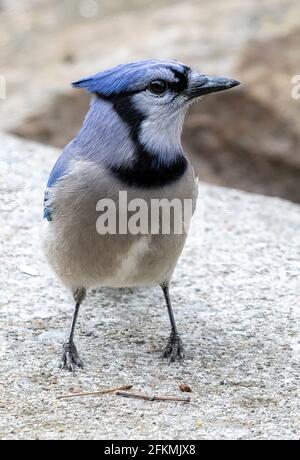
column 236, row 297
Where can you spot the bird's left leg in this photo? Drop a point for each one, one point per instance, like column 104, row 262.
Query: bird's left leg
column 70, row 359
column 174, row 348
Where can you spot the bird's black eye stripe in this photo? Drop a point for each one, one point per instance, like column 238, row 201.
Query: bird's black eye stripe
column 158, row 87
column 182, row 81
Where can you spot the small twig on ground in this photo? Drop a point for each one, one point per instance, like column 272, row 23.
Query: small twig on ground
column 151, row 398
column 184, row 387
column 96, row 393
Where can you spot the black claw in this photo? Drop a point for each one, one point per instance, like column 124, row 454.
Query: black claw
column 70, row 359
column 174, row 350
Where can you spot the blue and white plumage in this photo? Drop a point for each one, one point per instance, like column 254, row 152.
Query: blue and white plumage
column 130, row 141
column 132, row 77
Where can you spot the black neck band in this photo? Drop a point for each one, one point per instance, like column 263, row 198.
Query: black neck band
column 146, row 170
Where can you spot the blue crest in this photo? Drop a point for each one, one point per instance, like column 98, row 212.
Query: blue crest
column 129, row 77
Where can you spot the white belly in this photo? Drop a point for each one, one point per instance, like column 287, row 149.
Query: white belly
column 131, row 262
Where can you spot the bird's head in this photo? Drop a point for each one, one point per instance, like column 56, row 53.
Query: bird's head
column 152, row 97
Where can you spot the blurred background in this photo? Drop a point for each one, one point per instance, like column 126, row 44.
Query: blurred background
column 248, row 138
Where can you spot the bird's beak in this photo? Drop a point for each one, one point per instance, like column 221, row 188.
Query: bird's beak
column 202, row 84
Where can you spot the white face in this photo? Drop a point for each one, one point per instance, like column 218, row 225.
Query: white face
column 164, row 110
column 162, row 102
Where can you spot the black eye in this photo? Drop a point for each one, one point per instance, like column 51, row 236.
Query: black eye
column 158, row 87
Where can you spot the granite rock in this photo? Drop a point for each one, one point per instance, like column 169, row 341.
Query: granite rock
column 236, row 298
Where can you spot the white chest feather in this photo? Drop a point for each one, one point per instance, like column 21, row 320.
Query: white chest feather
column 131, row 261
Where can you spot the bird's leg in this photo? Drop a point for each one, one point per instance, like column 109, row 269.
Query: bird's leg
column 174, row 348
column 70, row 359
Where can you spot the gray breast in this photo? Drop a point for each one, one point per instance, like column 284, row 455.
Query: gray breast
column 82, row 257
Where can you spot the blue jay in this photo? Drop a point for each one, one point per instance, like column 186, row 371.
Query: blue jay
column 130, row 141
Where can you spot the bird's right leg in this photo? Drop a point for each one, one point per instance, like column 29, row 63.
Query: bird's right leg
column 70, row 359
column 174, row 350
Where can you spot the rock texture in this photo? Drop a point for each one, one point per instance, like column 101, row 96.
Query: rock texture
column 236, row 297
column 242, row 141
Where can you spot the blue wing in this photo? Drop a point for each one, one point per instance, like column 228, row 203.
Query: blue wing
column 59, row 170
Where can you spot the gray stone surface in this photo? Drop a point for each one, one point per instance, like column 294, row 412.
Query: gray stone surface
column 236, row 297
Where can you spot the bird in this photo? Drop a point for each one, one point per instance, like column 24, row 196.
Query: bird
column 130, row 141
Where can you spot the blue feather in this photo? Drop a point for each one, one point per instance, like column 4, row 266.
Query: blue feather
column 59, row 170
column 127, row 77
column 47, row 211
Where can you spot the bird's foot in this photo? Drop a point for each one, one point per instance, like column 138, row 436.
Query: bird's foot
column 70, row 359
column 174, row 350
